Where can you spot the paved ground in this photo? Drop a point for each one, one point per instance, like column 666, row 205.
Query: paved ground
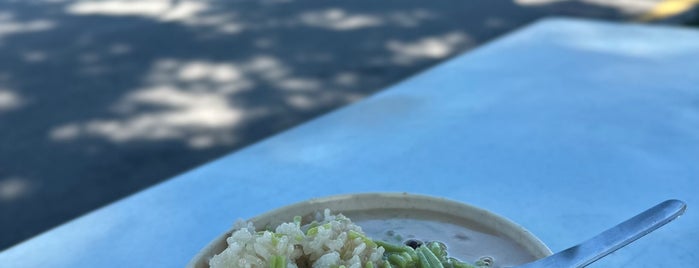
column 101, row 99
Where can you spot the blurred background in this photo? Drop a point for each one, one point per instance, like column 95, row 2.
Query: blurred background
column 100, row 99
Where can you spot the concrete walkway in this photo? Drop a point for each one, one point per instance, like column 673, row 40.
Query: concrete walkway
column 99, row 99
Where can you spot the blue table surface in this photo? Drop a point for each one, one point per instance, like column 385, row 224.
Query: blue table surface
column 567, row 127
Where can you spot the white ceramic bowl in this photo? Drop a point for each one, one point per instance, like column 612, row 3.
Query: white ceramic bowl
column 358, row 203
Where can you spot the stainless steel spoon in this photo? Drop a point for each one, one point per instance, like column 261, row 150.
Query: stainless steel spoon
column 610, row 240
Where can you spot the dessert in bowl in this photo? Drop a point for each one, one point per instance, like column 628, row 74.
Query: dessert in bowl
column 365, row 230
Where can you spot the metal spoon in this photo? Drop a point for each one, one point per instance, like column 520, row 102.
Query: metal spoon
column 610, row 240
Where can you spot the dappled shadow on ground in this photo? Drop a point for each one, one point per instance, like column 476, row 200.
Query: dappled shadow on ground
column 101, row 99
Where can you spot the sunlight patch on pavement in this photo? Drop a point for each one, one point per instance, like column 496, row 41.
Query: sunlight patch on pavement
column 119, row 49
column 346, row 78
column 298, row 84
column 340, row 20
column 197, row 102
column 202, row 70
column 227, row 23
column 183, row 10
column 337, row 19
column 668, row 8
column 434, row 47
column 9, row 25
column 120, row 8
column 13, row 188
column 164, row 10
column 301, row 101
column 9, row 100
column 187, row 12
column 201, row 109
column 181, row 115
column 186, row 100
column 410, row 18
column 34, row 56
column 185, row 112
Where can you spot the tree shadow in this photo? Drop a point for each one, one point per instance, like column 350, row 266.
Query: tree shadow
column 101, row 99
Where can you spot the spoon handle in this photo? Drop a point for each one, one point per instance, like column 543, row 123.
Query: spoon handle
column 614, row 238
